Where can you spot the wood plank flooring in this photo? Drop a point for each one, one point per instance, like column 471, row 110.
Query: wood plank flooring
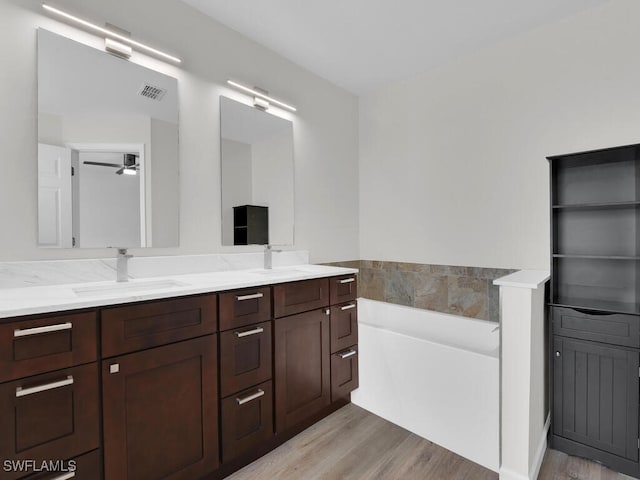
column 355, row 444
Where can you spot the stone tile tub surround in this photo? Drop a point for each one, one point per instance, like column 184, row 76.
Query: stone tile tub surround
column 466, row 291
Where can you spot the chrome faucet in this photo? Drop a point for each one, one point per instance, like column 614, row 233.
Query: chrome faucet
column 268, row 258
column 122, row 265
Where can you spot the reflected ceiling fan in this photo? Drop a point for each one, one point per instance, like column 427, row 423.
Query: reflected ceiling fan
column 129, row 164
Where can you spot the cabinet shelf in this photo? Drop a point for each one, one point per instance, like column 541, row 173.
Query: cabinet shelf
column 597, row 257
column 597, row 305
column 597, row 206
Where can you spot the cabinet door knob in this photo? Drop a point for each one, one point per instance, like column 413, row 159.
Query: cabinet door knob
column 327, row 311
column 115, row 368
column 558, row 353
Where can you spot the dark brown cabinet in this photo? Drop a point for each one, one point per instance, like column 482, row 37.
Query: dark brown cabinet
column 303, row 382
column 182, row 388
column 160, row 412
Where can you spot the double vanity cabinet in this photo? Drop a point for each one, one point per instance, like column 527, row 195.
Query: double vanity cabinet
column 181, row 388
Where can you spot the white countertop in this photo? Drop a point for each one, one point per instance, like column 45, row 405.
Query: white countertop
column 55, row 298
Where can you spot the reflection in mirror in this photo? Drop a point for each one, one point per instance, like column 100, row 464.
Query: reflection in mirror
column 257, row 176
column 107, row 150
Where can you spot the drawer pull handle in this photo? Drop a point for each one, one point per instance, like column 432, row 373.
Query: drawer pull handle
column 348, row 354
column 38, row 330
column 249, row 297
column 65, row 476
column 23, row 392
column 348, row 307
column 347, row 280
column 248, row 398
column 255, row 331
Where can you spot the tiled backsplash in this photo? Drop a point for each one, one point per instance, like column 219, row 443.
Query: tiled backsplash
column 467, row 291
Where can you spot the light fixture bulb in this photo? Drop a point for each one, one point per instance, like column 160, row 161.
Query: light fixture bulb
column 111, row 33
column 258, row 94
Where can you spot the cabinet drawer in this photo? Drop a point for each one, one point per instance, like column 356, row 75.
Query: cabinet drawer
column 87, row 466
column 30, row 347
column 244, row 307
column 613, row 328
column 344, row 372
column 247, row 420
column 343, row 288
column 137, row 327
column 344, row 326
column 54, row 416
column 245, row 357
column 298, row 297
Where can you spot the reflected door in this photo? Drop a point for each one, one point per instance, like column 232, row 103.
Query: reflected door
column 54, row 196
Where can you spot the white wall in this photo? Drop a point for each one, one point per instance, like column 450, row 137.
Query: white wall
column 270, row 159
column 452, row 163
column 325, row 126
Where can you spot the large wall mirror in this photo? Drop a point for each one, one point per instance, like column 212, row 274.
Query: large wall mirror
column 257, row 176
column 107, row 150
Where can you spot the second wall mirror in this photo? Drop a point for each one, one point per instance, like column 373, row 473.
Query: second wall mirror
column 257, row 177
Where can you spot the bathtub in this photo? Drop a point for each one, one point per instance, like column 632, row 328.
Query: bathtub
column 434, row 374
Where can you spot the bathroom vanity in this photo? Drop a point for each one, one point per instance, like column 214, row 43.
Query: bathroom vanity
column 175, row 384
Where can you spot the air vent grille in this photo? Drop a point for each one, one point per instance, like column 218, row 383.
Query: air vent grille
column 152, row 92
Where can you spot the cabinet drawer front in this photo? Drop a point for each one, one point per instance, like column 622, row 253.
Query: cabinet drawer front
column 137, row 327
column 297, row 297
column 247, row 420
column 344, row 372
column 344, row 326
column 613, row 328
column 160, row 412
column 30, row 347
column 54, row 416
column 244, row 307
column 245, row 357
column 87, row 466
column 343, row 288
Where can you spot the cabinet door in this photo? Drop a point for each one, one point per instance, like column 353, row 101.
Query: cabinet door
column 596, row 396
column 302, row 374
column 160, row 412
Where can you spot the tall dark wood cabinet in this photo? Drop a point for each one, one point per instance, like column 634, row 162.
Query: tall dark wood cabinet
column 595, row 305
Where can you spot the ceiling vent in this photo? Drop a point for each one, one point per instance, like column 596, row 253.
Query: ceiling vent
column 149, row 91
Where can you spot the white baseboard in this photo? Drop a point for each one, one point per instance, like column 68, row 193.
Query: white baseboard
column 506, row 474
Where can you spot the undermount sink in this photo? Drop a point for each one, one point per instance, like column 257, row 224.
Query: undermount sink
column 278, row 273
column 126, row 287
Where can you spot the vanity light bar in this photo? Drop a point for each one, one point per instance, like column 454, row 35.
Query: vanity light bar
column 111, row 33
column 261, row 95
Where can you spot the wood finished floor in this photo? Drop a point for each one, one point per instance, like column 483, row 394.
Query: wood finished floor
column 355, row 444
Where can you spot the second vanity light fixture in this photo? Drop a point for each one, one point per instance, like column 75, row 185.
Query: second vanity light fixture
column 115, row 46
column 260, row 98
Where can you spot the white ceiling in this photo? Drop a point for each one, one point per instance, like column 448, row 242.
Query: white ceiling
column 361, row 45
